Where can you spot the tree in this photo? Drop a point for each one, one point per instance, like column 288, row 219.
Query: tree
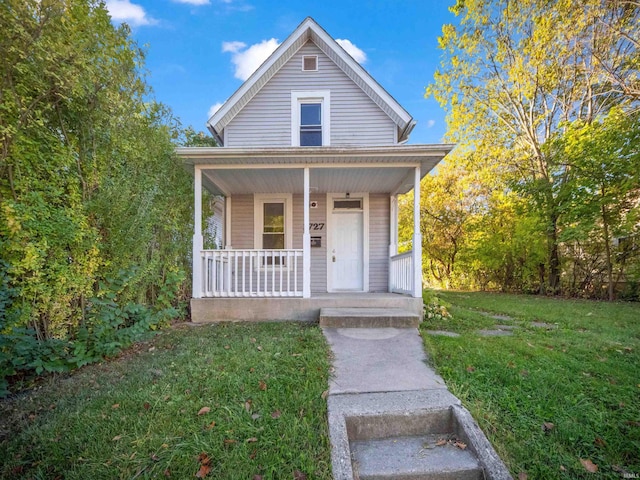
column 513, row 73
column 96, row 207
column 603, row 194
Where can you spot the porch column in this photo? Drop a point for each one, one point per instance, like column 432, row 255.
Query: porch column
column 306, row 241
column 393, row 233
column 197, row 234
column 227, row 223
column 417, row 237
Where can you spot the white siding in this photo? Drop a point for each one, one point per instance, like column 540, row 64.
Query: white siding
column 266, row 120
column 379, row 211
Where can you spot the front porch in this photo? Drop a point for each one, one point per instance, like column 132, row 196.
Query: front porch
column 206, row 310
column 306, row 228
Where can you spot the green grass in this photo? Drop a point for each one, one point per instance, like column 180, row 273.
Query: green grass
column 583, row 376
column 137, row 416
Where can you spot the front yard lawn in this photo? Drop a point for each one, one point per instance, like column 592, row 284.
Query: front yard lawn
column 559, row 398
column 220, row 401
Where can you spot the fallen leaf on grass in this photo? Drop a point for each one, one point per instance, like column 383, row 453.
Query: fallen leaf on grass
column 115, row 405
column 471, row 369
column 259, row 348
column 252, row 440
column 600, row 442
column 116, row 438
column 547, row 427
column 227, row 347
column 276, row 414
column 562, row 469
column 146, row 405
column 203, row 471
column 324, row 394
column 298, row 475
column 589, row 466
column 211, row 425
column 247, row 405
column 262, row 385
column 257, row 477
column 204, row 410
column 204, row 459
column 167, row 473
column 229, row 441
column 253, row 454
column 523, row 476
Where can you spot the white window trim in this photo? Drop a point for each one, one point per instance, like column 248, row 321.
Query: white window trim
column 302, row 63
column 312, row 96
column 258, row 217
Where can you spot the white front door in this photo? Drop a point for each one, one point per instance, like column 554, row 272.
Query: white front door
column 346, row 254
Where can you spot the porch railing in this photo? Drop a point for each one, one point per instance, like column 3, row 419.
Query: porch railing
column 401, row 273
column 252, row 273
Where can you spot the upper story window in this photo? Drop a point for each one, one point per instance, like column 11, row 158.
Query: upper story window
column 310, row 119
column 310, row 124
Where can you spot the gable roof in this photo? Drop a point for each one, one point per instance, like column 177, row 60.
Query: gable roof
column 309, row 30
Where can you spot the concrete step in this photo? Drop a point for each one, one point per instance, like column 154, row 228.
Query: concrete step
column 368, row 318
column 423, row 457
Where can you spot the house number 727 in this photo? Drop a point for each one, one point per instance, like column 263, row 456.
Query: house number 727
column 316, row 226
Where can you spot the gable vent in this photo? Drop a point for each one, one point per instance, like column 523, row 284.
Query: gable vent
column 310, row 63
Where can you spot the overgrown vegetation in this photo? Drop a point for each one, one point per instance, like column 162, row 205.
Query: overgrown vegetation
column 225, row 401
column 556, row 397
column 94, row 229
column 543, row 191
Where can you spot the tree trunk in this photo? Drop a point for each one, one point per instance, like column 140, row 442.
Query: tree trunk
column 607, row 249
column 553, row 256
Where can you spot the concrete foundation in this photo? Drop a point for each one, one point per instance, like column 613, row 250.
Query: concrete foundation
column 211, row 310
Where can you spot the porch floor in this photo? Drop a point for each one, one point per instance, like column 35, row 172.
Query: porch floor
column 210, row 310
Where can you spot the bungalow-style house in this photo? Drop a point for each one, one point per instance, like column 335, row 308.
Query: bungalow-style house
column 311, row 161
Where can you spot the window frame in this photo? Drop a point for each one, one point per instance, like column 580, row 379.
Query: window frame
column 298, row 98
column 258, row 216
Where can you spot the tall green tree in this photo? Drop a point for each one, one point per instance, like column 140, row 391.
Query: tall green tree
column 95, row 206
column 513, row 73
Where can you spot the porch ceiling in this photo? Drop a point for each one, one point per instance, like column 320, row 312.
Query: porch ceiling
column 229, row 171
column 322, row 180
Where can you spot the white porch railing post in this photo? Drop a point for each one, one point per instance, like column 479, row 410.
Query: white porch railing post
column 417, row 237
column 393, row 234
column 306, row 241
column 198, row 241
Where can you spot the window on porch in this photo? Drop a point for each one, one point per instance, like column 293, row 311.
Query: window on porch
column 273, row 226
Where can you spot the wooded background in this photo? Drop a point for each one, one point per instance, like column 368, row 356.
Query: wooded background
column 542, row 193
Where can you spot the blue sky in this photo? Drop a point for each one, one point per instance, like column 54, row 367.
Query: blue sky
column 198, row 51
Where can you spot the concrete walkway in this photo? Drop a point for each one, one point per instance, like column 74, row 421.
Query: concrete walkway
column 368, row 360
column 383, row 394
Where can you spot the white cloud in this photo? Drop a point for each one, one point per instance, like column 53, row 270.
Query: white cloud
column 247, row 60
column 233, row 46
column 430, row 123
column 214, row 108
column 357, row 54
column 131, row 13
column 193, row 2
